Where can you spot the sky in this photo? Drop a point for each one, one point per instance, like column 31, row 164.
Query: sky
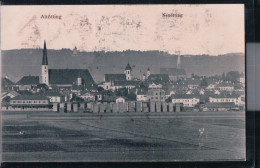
column 202, row 29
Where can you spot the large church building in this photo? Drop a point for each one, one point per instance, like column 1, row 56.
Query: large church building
column 72, row 78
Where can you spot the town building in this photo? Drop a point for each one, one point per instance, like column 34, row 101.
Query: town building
column 9, row 94
column 220, row 106
column 187, row 100
column 225, row 86
column 225, row 98
column 87, row 96
column 27, row 82
column 7, row 84
column 141, row 95
column 120, row 100
column 175, row 73
column 156, row 95
column 30, row 101
column 54, row 97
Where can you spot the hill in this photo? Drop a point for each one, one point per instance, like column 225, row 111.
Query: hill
column 17, row 63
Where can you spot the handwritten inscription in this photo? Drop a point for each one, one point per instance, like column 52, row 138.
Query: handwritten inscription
column 49, row 16
column 169, row 15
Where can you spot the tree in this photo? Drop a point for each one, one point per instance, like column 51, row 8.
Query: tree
column 122, row 92
column 233, row 76
column 131, row 96
column 100, row 89
column 169, row 99
column 203, row 83
column 7, row 99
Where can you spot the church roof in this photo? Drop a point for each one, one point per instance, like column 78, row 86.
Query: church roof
column 115, row 77
column 69, row 76
column 28, row 80
column 44, row 58
column 172, row 71
column 126, row 83
column 128, row 67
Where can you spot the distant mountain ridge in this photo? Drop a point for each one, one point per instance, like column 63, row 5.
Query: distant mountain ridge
column 17, row 63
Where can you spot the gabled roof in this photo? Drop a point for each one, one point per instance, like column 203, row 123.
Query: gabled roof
column 29, row 80
column 172, row 71
column 225, row 96
column 30, row 97
column 115, row 77
column 69, row 76
column 7, row 82
column 221, row 105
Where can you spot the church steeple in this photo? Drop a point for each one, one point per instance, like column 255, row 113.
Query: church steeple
column 45, row 69
column 179, row 62
column 44, row 58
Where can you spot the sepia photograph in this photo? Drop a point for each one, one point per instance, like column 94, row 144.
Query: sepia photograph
column 123, row 83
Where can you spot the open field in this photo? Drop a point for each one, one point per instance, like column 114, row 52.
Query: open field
column 123, row 137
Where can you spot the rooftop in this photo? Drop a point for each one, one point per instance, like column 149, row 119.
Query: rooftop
column 29, row 80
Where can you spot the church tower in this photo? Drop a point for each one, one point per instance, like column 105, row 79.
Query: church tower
column 45, row 69
column 179, row 62
column 128, row 70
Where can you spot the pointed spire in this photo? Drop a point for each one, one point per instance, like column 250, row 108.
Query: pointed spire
column 128, row 67
column 44, row 58
column 179, row 62
column 44, row 44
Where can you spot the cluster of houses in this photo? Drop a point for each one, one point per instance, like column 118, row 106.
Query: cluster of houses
column 171, row 85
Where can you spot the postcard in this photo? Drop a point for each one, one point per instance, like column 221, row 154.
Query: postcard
column 117, row 83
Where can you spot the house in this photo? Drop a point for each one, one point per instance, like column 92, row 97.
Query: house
column 225, row 98
column 142, row 95
column 220, row 106
column 117, row 81
column 153, row 85
column 54, row 97
column 210, row 87
column 28, row 82
column 10, row 94
column 120, row 100
column 242, row 79
column 29, row 101
column 224, row 86
column 7, row 84
column 193, row 83
column 156, row 95
column 88, row 96
column 187, row 100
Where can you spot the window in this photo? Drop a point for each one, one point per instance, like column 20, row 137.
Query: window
column 14, row 102
column 128, row 72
